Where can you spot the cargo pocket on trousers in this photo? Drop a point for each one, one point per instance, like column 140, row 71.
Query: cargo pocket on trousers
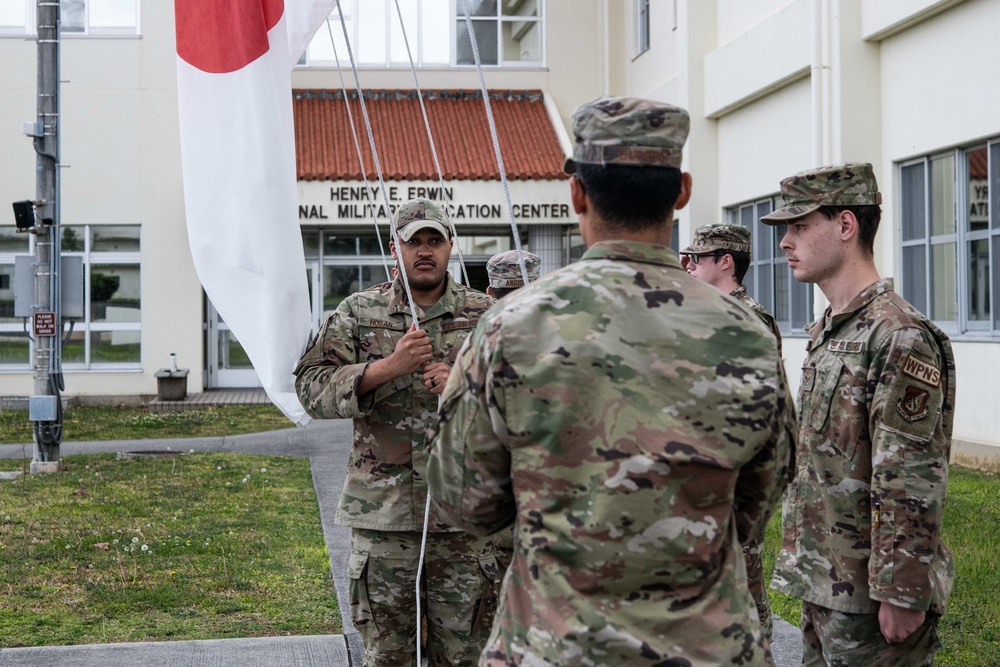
column 489, row 599
column 361, row 610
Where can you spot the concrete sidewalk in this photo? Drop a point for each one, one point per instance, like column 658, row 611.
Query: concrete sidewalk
column 326, row 443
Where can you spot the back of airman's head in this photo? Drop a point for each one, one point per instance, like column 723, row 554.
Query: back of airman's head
column 504, row 269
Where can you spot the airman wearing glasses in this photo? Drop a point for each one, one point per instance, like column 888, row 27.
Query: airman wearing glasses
column 720, row 255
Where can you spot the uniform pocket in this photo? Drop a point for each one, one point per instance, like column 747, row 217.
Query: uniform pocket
column 838, row 408
column 489, row 599
column 883, row 547
column 361, row 610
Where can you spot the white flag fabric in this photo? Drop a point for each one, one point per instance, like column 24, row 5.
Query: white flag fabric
column 234, row 94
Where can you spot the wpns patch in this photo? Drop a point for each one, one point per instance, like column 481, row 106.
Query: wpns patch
column 913, row 405
column 922, row 371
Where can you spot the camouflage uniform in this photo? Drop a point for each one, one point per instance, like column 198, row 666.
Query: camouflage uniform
column 735, row 239
column 711, row 239
column 385, row 490
column 635, row 426
column 862, row 518
column 504, row 272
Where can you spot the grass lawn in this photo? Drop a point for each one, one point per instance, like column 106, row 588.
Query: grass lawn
column 138, row 423
column 195, row 546
column 970, row 628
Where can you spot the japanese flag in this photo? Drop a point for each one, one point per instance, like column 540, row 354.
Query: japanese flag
column 234, row 93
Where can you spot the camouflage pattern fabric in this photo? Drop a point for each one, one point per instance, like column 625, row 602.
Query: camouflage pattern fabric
column 504, row 269
column 838, row 639
column 758, row 310
column 752, row 551
column 385, row 487
column 849, row 184
column 636, row 427
column 862, row 518
column 628, row 131
column 462, row 585
column 757, row 583
column 719, row 237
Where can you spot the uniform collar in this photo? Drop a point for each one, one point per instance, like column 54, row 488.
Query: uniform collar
column 739, row 291
column 634, row 251
column 826, row 325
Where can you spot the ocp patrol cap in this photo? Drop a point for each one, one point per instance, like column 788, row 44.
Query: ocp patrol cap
column 716, row 237
column 504, row 269
column 848, row 184
column 628, row 131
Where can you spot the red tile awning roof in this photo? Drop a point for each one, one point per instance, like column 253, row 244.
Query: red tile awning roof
column 325, row 151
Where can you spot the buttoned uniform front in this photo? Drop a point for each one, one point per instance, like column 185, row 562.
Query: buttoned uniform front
column 876, row 404
column 385, row 489
column 635, row 424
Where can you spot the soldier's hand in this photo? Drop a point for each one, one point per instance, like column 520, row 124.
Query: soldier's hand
column 898, row 623
column 412, row 351
column 436, row 376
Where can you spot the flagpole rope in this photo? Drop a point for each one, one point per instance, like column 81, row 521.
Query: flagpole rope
column 357, row 149
column 378, row 169
column 496, row 142
column 430, row 138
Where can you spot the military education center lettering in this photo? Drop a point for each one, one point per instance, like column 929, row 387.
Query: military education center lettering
column 474, row 202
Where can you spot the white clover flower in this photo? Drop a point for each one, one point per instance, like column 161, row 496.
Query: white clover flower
column 263, row 469
column 145, row 547
column 135, row 540
column 218, row 467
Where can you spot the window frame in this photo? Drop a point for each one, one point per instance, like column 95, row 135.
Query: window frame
column 767, row 260
column 30, row 27
column 642, row 26
column 963, row 236
column 85, row 326
column 500, row 19
column 455, row 15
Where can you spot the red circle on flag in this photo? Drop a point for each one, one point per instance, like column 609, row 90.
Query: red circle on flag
column 221, row 36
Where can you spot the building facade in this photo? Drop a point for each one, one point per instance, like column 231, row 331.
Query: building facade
column 773, row 87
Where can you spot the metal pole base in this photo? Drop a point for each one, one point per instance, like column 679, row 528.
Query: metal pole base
column 46, row 466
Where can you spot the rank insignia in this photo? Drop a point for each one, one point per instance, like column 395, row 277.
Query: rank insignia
column 913, row 405
column 808, row 378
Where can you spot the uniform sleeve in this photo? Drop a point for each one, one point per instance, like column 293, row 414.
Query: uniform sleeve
column 762, row 481
column 468, row 473
column 909, row 467
column 327, row 375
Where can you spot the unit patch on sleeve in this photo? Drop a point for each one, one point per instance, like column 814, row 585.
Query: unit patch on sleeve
column 913, row 405
column 921, row 371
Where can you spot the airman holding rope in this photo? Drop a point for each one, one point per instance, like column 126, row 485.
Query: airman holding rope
column 370, row 363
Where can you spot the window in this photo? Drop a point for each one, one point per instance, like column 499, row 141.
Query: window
column 769, row 279
column 508, row 34
column 78, row 17
column 950, row 221
column 642, row 26
column 15, row 347
column 108, row 335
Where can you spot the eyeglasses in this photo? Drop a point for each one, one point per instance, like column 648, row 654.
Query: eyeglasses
column 697, row 258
